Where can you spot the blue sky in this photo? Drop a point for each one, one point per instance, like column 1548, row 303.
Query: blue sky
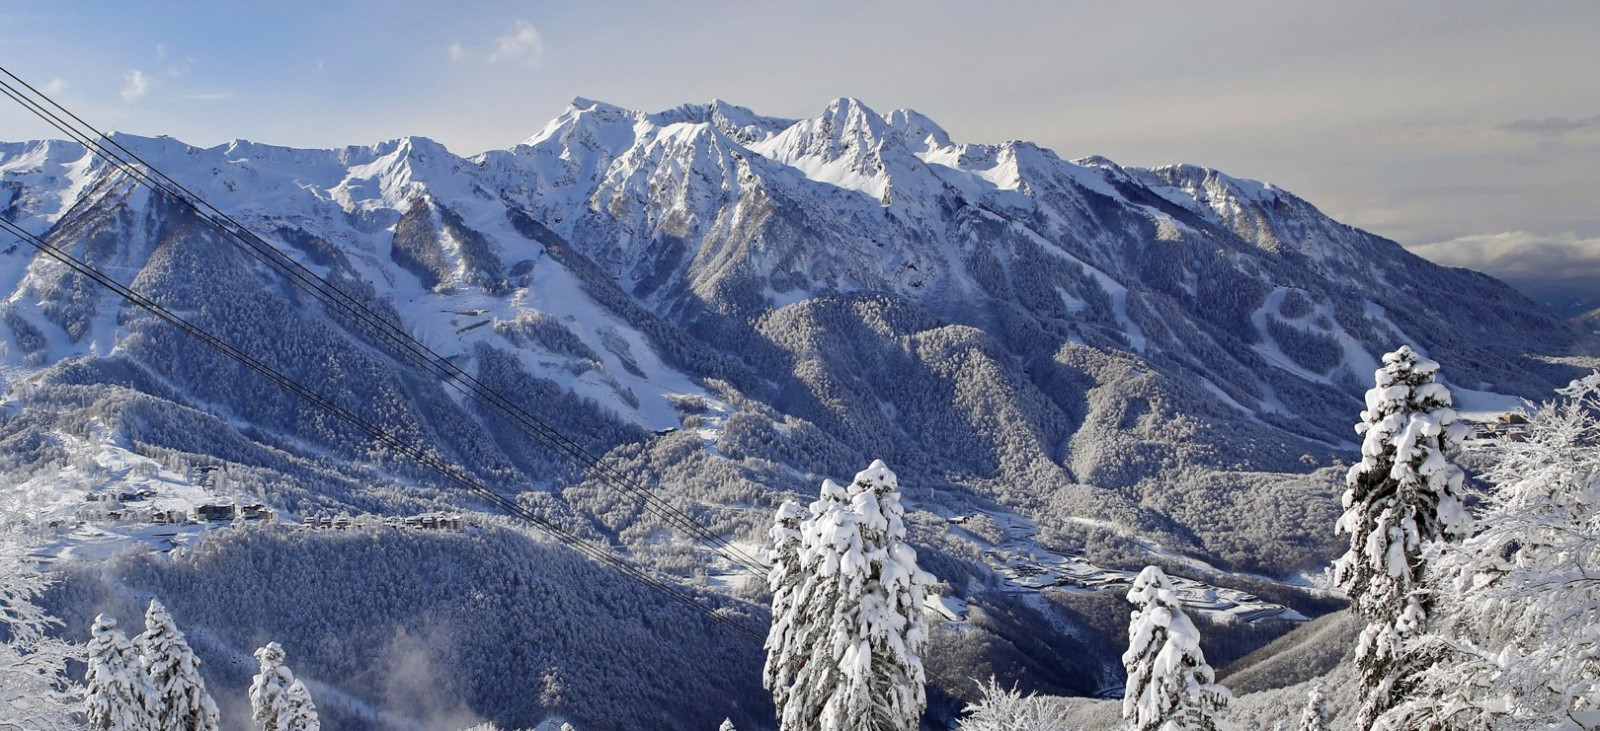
column 1467, row 130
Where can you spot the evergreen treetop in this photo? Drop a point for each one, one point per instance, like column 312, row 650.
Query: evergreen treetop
column 118, row 696
column 181, row 700
column 1170, row 686
column 280, row 702
column 849, row 635
column 1401, row 497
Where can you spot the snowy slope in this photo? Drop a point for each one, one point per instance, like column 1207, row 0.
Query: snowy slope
column 353, row 200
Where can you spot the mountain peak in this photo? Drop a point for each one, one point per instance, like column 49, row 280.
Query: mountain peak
column 1207, row 183
column 164, row 143
column 852, row 113
column 1097, row 161
column 917, row 130
column 581, row 104
column 738, row 123
column 588, row 123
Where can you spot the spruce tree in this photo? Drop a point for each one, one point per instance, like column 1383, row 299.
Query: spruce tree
column 854, row 629
column 785, row 580
column 727, row 724
column 1315, row 715
column 881, row 611
column 118, row 696
column 182, row 703
column 1170, row 686
column 300, row 713
column 1403, row 495
column 280, row 702
column 800, row 624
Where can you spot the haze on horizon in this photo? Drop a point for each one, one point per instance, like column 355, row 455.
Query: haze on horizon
column 1467, row 131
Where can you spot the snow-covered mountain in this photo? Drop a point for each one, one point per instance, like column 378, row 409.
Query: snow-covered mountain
column 1147, row 364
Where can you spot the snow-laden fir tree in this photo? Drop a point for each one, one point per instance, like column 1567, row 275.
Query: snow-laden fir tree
column 34, row 690
column 1403, row 495
column 181, row 700
column 117, row 696
column 1003, row 709
column 1516, row 641
column 278, row 701
column 301, row 714
column 854, row 629
column 785, row 581
column 879, row 621
column 1170, row 686
column 1315, row 716
column 801, row 615
column 727, row 723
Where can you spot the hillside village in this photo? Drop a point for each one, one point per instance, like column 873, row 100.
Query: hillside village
column 1028, row 567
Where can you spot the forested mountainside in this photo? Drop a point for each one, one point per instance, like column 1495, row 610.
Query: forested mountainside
column 1063, row 361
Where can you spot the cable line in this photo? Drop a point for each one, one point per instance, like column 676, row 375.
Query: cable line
column 424, row 457
column 362, row 316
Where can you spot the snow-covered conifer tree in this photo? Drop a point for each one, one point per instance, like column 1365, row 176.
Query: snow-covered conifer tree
column 181, row 701
column 118, row 696
column 300, row 713
column 34, row 690
column 278, row 700
column 1403, row 495
column 1170, row 686
column 785, row 580
column 880, row 614
column 1315, row 715
column 856, row 629
column 799, row 626
column 727, row 723
column 1515, row 643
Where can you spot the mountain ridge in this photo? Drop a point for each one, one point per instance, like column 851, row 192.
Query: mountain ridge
column 1150, row 365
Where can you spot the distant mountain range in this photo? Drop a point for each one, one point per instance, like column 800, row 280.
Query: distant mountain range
column 1151, row 364
column 1567, row 297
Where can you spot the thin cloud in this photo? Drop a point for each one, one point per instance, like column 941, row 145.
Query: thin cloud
column 135, row 85
column 522, row 45
column 1519, row 254
column 209, row 96
column 55, row 85
column 1553, row 126
column 456, row 52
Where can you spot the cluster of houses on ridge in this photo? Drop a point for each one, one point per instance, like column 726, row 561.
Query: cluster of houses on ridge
column 116, row 506
column 1512, row 425
column 425, row 521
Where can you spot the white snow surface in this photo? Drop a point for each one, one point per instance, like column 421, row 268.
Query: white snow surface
column 352, row 197
column 83, row 529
